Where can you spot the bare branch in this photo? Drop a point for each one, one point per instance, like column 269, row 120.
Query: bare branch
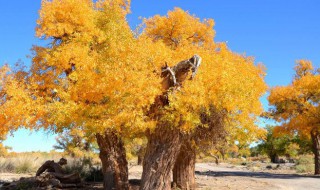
column 171, row 73
column 195, row 61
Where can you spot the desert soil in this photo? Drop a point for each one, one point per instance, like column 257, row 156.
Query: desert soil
column 225, row 177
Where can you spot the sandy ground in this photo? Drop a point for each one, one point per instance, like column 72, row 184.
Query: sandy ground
column 224, row 177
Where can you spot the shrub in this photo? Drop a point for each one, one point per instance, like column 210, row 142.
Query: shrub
column 305, row 164
column 24, row 167
column 25, row 162
column 305, row 168
column 87, row 168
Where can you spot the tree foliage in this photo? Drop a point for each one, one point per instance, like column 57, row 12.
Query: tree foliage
column 297, row 106
column 275, row 145
column 226, row 80
column 76, row 144
column 90, row 73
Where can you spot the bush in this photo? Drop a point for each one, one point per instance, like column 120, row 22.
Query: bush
column 6, row 166
column 25, row 167
column 305, row 168
column 305, row 159
column 87, row 168
column 305, row 164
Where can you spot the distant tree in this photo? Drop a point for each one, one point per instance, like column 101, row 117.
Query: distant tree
column 274, row 146
column 254, row 151
column 136, row 148
column 75, row 143
column 297, row 106
column 243, row 150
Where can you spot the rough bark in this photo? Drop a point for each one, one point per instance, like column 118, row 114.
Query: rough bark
column 114, row 162
column 164, row 143
column 184, row 168
column 161, row 153
column 315, row 136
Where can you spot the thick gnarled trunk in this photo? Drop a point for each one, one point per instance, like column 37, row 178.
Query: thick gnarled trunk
column 315, row 136
column 164, row 143
column 184, row 168
column 114, row 162
column 161, row 153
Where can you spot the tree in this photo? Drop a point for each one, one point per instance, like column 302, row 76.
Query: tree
column 136, row 148
column 229, row 82
column 97, row 78
column 297, row 106
column 88, row 78
column 76, row 144
column 274, row 146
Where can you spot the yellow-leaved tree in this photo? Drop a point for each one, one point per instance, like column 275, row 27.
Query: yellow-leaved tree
column 199, row 102
column 93, row 76
column 97, row 76
column 297, row 106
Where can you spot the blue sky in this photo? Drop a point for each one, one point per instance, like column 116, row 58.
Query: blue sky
column 276, row 33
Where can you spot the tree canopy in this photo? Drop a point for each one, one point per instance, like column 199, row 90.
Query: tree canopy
column 297, row 106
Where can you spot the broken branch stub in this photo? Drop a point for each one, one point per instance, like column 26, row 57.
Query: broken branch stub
column 178, row 73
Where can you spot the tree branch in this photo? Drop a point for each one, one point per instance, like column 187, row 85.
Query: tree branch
column 171, row 73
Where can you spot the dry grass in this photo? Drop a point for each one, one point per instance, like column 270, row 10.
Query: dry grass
column 305, row 164
column 28, row 163
column 25, row 162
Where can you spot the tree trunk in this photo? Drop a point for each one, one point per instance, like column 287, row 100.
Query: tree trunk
column 114, row 162
column 315, row 136
column 274, row 158
column 161, row 153
column 140, row 155
column 164, row 143
column 184, row 168
column 216, row 158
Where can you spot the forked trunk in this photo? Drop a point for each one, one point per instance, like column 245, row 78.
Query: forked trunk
column 161, row 153
column 164, row 144
column 114, row 162
column 315, row 136
column 184, row 168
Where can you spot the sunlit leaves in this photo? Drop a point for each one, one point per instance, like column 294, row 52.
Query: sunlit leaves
column 96, row 75
column 297, row 105
column 95, row 69
column 227, row 80
column 180, row 28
